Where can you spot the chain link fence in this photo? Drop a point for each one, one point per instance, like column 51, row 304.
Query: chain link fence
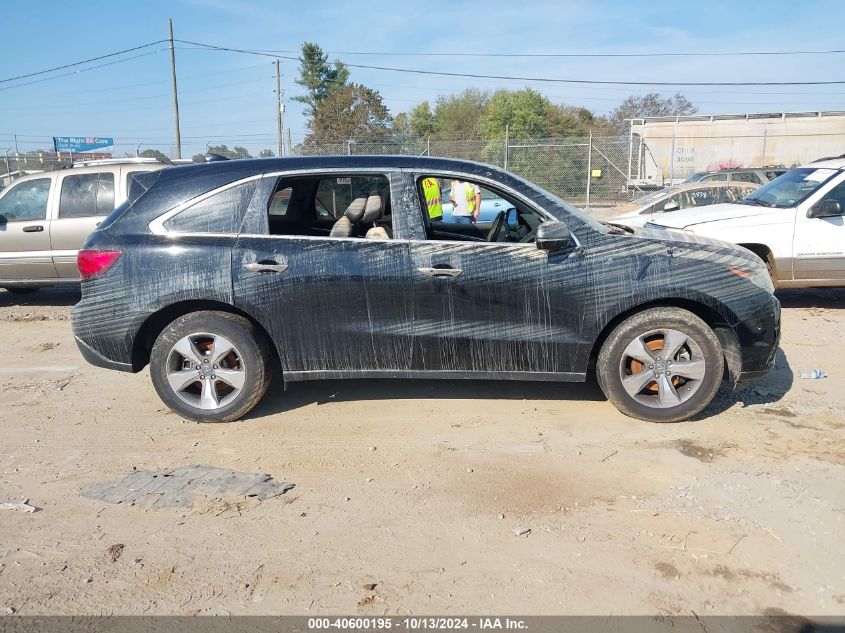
column 587, row 171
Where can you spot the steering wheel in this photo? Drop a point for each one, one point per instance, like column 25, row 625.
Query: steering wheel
column 498, row 224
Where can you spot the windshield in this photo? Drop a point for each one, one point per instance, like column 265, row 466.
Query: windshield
column 696, row 176
column 791, row 188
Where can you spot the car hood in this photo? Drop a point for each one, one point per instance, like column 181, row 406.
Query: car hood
column 685, row 238
column 711, row 213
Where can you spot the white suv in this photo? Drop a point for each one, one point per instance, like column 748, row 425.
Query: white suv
column 46, row 217
column 794, row 223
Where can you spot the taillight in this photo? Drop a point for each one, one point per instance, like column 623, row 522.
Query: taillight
column 93, row 263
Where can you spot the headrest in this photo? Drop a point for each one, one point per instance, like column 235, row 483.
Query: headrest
column 373, row 210
column 355, row 210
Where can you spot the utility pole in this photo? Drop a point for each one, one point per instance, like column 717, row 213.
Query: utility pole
column 279, row 123
column 589, row 169
column 175, row 94
column 290, row 146
column 507, row 143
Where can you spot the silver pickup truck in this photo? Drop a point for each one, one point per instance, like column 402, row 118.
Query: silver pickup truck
column 46, row 217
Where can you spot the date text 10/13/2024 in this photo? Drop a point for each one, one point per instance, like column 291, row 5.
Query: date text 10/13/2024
column 416, row 623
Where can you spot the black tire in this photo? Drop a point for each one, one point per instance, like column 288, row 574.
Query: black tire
column 21, row 291
column 610, row 365
column 253, row 358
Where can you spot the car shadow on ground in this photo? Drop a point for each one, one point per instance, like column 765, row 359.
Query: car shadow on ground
column 767, row 390
column 44, row 297
column 828, row 298
column 300, row 394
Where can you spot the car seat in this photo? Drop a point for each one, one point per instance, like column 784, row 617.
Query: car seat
column 345, row 225
column 375, row 214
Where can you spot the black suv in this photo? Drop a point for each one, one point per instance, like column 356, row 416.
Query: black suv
column 330, row 267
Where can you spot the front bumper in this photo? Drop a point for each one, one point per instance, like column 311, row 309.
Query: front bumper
column 759, row 336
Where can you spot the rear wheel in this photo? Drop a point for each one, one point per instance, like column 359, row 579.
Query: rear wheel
column 210, row 366
column 661, row 365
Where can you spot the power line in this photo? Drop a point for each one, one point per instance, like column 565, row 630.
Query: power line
column 84, row 61
column 82, row 70
column 537, row 79
column 569, row 55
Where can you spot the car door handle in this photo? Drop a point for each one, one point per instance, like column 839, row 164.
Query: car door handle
column 257, row 267
column 35, row 228
column 440, row 272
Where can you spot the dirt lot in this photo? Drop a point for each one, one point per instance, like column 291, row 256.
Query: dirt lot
column 419, row 488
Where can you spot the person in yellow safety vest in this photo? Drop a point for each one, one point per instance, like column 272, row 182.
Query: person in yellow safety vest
column 466, row 198
column 433, row 199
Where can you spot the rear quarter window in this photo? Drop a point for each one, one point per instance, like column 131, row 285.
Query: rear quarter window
column 221, row 212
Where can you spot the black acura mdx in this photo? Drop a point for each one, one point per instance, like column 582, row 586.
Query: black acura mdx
column 341, row 267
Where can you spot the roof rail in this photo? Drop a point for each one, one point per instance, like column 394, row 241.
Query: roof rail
column 139, row 160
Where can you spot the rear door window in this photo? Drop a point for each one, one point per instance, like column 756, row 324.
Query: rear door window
column 25, row 201
column 311, row 205
column 85, row 195
column 334, row 195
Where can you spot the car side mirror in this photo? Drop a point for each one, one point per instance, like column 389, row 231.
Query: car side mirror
column 672, row 205
column 826, row 209
column 554, row 236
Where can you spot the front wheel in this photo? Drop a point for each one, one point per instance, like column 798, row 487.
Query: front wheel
column 661, row 365
column 210, row 366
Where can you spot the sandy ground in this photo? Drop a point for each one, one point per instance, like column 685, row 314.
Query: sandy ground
column 419, row 488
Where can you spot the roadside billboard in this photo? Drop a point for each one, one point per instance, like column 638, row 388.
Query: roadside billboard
column 75, row 144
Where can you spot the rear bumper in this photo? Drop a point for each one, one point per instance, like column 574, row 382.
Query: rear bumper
column 95, row 358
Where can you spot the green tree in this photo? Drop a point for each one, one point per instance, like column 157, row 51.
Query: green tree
column 318, row 77
column 354, row 112
column 402, row 130
column 566, row 120
column 421, row 120
column 223, row 150
column 458, row 117
column 266, row 153
column 651, row 104
column 523, row 112
column 153, row 153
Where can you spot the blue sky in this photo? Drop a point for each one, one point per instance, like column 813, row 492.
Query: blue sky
column 229, row 97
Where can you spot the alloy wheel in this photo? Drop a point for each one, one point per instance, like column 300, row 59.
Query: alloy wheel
column 662, row 368
column 205, row 370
